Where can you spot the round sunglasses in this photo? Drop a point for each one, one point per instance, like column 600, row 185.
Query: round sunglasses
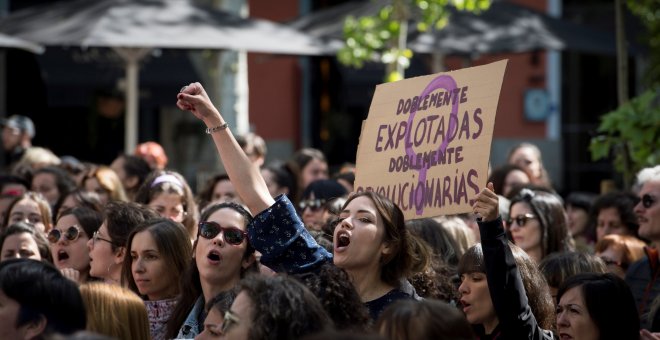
column 70, row 234
column 210, row 230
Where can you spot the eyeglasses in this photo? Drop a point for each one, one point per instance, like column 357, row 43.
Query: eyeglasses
column 229, row 321
column 70, row 234
column 648, row 201
column 210, row 230
column 96, row 238
column 314, row 204
column 520, row 220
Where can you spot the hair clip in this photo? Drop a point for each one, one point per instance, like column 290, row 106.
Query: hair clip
column 167, row 178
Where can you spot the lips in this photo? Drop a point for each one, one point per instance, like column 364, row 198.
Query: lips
column 466, row 306
column 342, row 240
column 564, row 336
column 62, row 255
column 214, row 257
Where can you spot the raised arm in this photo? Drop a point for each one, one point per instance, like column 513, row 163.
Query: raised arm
column 245, row 176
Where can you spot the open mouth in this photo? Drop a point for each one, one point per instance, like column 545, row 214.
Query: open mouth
column 62, row 255
column 343, row 239
column 214, row 256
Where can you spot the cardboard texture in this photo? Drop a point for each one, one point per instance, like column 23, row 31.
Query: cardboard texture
column 426, row 141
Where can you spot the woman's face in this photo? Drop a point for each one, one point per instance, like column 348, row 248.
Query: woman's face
column 528, row 235
column 573, row 318
column 475, row 300
column 513, row 179
column 224, row 191
column 358, row 239
column 242, row 312
column 218, row 261
column 168, row 205
column 314, row 170
column 212, row 325
column 577, row 219
column 27, row 210
column 312, row 214
column 45, row 184
column 20, row 246
column 103, row 260
column 70, row 254
column 92, row 185
column 273, row 188
column 151, row 273
column 526, row 158
column 609, row 222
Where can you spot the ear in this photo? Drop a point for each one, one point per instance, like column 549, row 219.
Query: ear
column 34, row 329
column 119, row 255
column 386, row 248
column 131, row 182
column 248, row 261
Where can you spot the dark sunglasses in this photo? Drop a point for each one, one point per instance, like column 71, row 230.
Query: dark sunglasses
column 70, row 234
column 648, row 201
column 315, row 204
column 520, row 220
column 210, row 230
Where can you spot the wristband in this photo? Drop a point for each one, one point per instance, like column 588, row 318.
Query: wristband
column 217, row 128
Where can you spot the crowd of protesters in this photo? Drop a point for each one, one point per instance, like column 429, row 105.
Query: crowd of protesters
column 285, row 251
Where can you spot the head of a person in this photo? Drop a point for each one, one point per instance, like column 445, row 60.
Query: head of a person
column 107, row 246
column 372, row 232
column 17, row 131
column 132, row 171
column 159, row 251
column 35, row 157
column 168, row 193
column 312, row 206
column 218, row 189
column 311, row 164
column 578, row 205
column 558, row 267
column 280, row 180
column 426, row 319
column 32, row 208
column 583, row 313
column 346, row 179
column 13, row 185
column 153, row 153
column 115, row 311
column 528, row 157
column 475, row 294
column 276, row 307
column 443, row 244
column 33, row 296
column 105, row 182
column 53, row 183
column 507, row 177
column 460, row 232
column 69, row 237
column 619, row 252
column 80, row 198
column 22, row 240
column 648, row 207
column 333, row 287
column 215, row 315
column 537, row 223
column 254, row 147
column 612, row 213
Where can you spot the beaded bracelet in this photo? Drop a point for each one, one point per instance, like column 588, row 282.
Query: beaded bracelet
column 217, row 128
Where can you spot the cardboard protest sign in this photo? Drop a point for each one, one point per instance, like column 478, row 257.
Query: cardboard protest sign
column 426, row 142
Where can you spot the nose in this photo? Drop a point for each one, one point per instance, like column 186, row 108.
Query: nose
column 562, row 320
column 463, row 288
column 219, row 239
column 639, row 207
column 139, row 267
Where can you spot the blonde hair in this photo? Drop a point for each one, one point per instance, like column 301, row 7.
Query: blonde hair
column 115, row 311
column 631, row 247
column 109, row 181
column 460, row 232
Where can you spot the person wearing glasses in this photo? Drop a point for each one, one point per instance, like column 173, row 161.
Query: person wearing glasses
column 313, row 205
column 168, row 193
column 22, row 240
column 223, row 255
column 537, row 223
column 107, row 246
column 159, row 253
column 68, row 242
column 642, row 276
column 619, row 252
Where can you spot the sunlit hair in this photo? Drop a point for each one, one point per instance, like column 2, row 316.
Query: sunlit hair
column 170, row 182
column 536, row 288
column 426, row 319
column 631, row 247
column 650, row 174
column 498, row 177
column 84, row 199
column 443, row 244
column 191, row 286
column 115, row 311
column 544, row 178
column 44, row 208
column 609, row 302
column 549, row 212
column 399, row 262
column 109, row 181
column 460, row 232
column 37, row 236
column 205, row 196
column 64, row 183
column 173, row 245
column 122, row 217
column 558, row 267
